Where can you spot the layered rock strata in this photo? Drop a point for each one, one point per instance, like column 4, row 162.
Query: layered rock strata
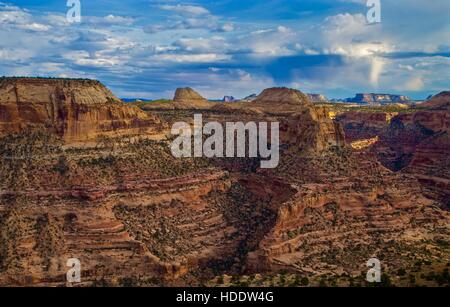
column 75, row 110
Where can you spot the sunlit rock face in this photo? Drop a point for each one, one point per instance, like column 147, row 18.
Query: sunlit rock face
column 303, row 126
column 187, row 94
column 75, row 110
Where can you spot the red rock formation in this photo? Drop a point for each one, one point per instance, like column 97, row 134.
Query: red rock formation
column 312, row 130
column 135, row 215
column 416, row 142
column 346, row 210
column 440, row 101
column 99, row 202
column 302, row 125
column 76, row 110
column 280, row 101
column 364, row 125
column 430, row 164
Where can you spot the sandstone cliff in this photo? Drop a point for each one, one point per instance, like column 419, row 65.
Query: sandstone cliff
column 303, row 126
column 75, row 110
column 312, row 130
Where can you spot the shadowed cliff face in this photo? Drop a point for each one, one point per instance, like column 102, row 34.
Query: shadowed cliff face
column 415, row 142
column 75, row 110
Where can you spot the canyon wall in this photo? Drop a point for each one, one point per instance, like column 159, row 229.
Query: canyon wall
column 75, row 110
column 415, row 141
column 135, row 215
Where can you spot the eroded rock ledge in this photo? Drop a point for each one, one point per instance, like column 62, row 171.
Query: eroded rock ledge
column 76, row 110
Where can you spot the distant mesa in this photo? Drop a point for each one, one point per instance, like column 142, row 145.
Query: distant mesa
column 250, row 98
column 282, row 95
column 187, row 94
column 184, row 99
column 75, row 109
column 229, row 99
column 338, row 100
column 317, row 98
column 187, row 98
column 378, row 99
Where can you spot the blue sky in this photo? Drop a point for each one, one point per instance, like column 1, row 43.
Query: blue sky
column 145, row 48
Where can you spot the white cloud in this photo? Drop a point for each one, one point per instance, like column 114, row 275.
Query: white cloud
column 228, row 27
column 186, row 9
column 192, row 58
column 271, row 42
column 38, row 27
column 190, row 17
column 56, row 20
column 282, row 29
column 110, row 20
column 16, row 18
column 349, row 35
column 14, row 54
column 163, row 49
column 114, row 45
column 414, row 84
column 13, row 15
column 406, row 67
column 201, row 44
column 83, row 58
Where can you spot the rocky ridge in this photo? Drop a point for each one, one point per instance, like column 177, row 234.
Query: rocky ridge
column 440, row 101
